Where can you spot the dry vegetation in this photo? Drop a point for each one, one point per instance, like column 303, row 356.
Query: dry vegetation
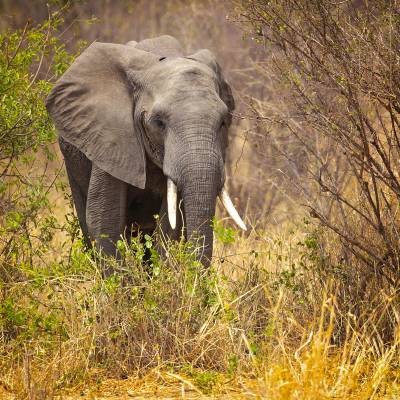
column 306, row 305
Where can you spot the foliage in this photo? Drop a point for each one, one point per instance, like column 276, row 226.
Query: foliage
column 65, row 324
column 336, row 65
column 225, row 235
column 30, row 59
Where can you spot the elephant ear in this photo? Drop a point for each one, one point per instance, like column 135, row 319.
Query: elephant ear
column 92, row 108
column 165, row 46
column 207, row 57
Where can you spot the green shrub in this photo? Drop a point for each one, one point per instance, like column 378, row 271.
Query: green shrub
column 30, row 59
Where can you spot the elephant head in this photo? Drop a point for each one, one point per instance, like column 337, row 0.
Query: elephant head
column 121, row 103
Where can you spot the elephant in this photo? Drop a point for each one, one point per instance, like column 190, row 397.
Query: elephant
column 142, row 128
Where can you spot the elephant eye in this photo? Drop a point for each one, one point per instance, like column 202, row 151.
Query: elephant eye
column 158, row 123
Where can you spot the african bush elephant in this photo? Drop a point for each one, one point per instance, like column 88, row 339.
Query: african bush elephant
column 142, row 126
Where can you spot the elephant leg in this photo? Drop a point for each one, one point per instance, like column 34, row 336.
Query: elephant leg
column 106, row 210
column 78, row 168
column 80, row 206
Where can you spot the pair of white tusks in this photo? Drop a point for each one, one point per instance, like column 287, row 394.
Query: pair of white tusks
column 172, row 197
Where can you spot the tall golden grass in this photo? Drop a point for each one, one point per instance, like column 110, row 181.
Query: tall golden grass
column 262, row 323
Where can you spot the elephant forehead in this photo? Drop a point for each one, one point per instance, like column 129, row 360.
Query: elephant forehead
column 188, row 93
column 203, row 103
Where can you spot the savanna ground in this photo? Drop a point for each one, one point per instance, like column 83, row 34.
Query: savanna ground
column 305, row 305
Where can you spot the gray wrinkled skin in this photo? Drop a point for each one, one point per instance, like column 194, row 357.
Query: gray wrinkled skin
column 128, row 117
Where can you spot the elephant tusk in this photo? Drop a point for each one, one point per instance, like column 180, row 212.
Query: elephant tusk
column 227, row 202
column 171, row 202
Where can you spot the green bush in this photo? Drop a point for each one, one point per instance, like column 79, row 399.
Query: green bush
column 30, row 59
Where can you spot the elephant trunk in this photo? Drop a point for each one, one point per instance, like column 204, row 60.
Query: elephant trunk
column 200, row 181
column 197, row 170
column 199, row 200
column 194, row 163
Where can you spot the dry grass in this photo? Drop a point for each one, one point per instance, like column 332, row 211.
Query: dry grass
column 263, row 324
